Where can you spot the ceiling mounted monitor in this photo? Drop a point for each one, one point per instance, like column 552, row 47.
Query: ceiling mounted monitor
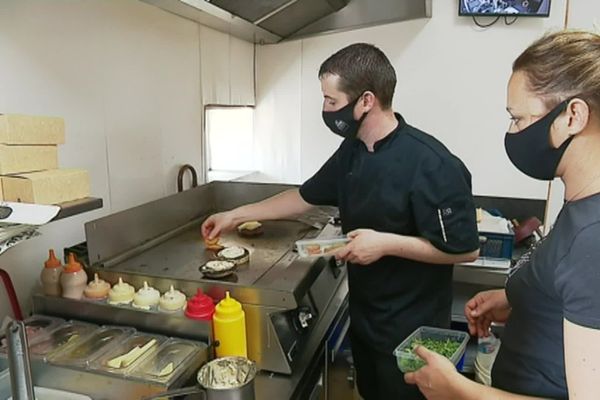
column 492, row 8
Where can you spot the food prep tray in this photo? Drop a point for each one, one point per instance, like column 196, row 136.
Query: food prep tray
column 65, row 334
column 83, row 353
column 36, row 326
column 126, row 355
column 168, row 362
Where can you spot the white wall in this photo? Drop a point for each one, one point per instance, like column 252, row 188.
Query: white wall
column 126, row 77
column 451, row 83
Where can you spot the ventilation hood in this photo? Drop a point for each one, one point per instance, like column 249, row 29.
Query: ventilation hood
column 271, row 21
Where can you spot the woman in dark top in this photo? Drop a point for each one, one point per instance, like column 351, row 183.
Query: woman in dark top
column 551, row 303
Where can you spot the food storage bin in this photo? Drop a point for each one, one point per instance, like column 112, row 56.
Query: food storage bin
column 168, row 362
column 83, row 353
column 36, row 326
column 409, row 361
column 320, row 247
column 126, row 355
column 65, row 334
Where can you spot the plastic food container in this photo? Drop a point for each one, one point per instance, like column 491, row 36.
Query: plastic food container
column 126, row 355
column 36, row 326
column 168, row 362
column 83, row 353
column 68, row 333
column 320, row 247
column 409, row 362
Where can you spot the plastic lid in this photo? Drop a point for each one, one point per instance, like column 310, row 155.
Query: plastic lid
column 228, row 307
column 201, row 306
column 72, row 265
column 52, row 261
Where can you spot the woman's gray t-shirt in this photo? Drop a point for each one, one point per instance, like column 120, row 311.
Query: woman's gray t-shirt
column 559, row 279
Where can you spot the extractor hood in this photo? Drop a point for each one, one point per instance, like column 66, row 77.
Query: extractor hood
column 270, row 21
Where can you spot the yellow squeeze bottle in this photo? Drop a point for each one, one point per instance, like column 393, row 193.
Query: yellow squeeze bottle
column 229, row 324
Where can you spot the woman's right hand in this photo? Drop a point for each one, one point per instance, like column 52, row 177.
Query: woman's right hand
column 218, row 223
column 485, row 308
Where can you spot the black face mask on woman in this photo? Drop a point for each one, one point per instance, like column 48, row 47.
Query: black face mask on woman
column 530, row 150
column 342, row 122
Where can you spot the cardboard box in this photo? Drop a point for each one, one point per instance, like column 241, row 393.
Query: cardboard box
column 18, row 159
column 47, row 187
column 30, row 129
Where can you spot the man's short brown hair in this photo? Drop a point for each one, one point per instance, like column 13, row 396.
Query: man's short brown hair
column 362, row 67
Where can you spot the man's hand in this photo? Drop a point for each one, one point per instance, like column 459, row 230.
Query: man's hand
column 438, row 379
column 485, row 308
column 366, row 246
column 218, row 223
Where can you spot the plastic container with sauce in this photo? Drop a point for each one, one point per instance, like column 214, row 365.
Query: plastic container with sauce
column 172, row 301
column 146, row 298
column 73, row 279
column 200, row 307
column 97, row 289
column 229, row 325
column 50, row 276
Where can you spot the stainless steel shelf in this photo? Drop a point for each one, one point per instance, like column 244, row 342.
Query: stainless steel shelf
column 71, row 208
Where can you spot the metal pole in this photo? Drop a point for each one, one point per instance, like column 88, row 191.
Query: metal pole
column 18, row 362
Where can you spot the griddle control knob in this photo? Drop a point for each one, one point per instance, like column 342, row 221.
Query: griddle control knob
column 304, row 317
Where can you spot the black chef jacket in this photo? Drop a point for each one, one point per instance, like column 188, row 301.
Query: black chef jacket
column 409, row 185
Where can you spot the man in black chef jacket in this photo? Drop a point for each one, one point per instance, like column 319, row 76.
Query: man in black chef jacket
column 404, row 200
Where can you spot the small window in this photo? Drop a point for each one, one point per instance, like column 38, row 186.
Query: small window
column 230, row 141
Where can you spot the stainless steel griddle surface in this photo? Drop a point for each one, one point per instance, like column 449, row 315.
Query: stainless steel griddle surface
column 182, row 255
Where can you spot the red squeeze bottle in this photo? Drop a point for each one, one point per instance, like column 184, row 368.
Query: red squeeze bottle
column 200, row 307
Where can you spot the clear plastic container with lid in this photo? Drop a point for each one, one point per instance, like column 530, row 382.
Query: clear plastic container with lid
column 170, row 360
column 68, row 333
column 445, row 339
column 36, row 326
column 83, row 353
column 229, row 325
column 123, row 357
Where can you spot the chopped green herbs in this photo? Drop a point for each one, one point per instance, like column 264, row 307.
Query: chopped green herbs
column 411, row 362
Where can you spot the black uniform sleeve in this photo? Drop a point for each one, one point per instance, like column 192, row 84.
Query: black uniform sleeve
column 322, row 188
column 577, row 279
column 443, row 207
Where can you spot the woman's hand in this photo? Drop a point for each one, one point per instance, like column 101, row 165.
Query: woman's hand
column 438, row 379
column 485, row 308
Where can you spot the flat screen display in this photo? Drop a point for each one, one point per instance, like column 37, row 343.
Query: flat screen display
column 528, row 8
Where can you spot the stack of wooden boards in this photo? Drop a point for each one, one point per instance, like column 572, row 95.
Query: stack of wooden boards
column 29, row 170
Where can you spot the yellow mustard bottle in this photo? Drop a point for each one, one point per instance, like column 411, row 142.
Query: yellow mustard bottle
column 229, row 324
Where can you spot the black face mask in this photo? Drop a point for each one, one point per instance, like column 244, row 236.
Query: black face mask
column 530, row 149
column 342, row 122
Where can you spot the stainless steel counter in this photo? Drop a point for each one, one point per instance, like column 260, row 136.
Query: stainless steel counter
column 470, row 279
column 473, row 274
